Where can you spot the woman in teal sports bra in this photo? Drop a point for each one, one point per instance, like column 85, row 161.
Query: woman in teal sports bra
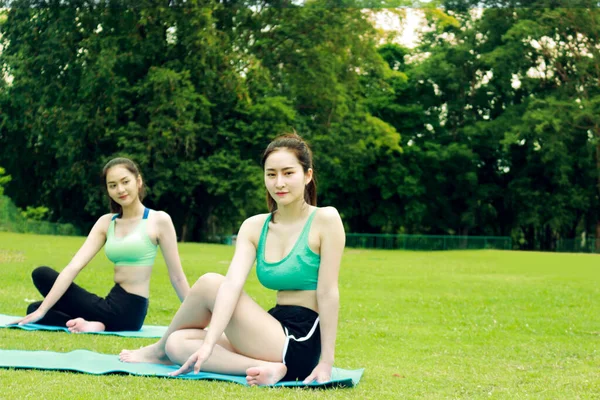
column 298, row 250
column 130, row 236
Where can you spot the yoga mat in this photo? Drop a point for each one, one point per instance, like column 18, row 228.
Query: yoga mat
column 147, row 331
column 89, row 362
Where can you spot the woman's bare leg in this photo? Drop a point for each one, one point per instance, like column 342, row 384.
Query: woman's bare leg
column 183, row 343
column 192, row 313
column 251, row 331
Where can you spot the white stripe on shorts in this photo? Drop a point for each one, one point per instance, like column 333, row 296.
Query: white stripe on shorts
column 303, row 339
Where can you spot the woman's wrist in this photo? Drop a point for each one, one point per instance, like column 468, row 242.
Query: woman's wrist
column 328, row 361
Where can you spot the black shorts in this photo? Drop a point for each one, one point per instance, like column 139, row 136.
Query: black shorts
column 302, row 349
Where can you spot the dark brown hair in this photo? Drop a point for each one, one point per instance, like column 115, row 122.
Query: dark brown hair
column 131, row 167
column 295, row 144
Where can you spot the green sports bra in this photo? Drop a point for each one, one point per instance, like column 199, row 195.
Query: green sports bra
column 133, row 250
column 299, row 270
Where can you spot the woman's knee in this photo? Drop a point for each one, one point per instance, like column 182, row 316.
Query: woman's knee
column 177, row 344
column 43, row 273
column 43, row 279
column 208, row 283
column 172, row 344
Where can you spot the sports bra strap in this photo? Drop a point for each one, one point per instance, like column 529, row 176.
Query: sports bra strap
column 307, row 225
column 146, row 212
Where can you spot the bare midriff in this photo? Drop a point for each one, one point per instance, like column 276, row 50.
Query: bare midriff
column 134, row 280
column 303, row 298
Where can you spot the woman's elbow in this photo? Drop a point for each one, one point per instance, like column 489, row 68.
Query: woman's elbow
column 329, row 294
column 178, row 278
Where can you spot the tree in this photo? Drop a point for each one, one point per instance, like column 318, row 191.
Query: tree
column 4, row 179
column 192, row 91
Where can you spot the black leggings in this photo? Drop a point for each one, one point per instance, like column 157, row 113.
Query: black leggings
column 119, row 311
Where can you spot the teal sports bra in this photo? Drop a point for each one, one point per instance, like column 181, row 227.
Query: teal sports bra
column 134, row 250
column 299, row 270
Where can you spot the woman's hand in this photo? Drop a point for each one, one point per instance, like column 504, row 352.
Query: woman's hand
column 30, row 318
column 321, row 373
column 195, row 361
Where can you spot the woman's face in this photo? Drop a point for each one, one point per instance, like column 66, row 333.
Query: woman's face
column 122, row 185
column 284, row 177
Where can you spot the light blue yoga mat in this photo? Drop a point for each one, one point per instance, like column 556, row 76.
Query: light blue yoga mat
column 90, row 362
column 147, row 331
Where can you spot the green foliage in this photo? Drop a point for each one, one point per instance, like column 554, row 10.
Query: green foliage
column 499, row 124
column 4, row 179
column 35, row 213
column 13, row 219
column 489, row 127
column 192, row 93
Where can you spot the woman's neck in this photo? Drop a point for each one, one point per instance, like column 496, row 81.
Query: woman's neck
column 293, row 212
column 132, row 211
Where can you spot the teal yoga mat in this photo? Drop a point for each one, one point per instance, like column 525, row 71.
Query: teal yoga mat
column 89, row 362
column 147, row 331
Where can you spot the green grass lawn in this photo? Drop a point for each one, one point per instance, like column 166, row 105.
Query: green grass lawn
column 463, row 324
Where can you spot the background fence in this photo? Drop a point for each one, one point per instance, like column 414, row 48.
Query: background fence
column 580, row 245
column 417, row 242
column 427, row 242
column 11, row 220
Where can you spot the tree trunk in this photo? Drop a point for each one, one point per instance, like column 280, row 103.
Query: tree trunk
column 184, row 231
column 464, row 241
column 530, row 237
column 186, row 225
column 202, row 223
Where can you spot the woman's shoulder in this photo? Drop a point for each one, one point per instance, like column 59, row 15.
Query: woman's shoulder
column 160, row 215
column 106, row 218
column 255, row 221
column 327, row 214
column 160, row 219
column 251, row 228
column 103, row 223
column 328, row 221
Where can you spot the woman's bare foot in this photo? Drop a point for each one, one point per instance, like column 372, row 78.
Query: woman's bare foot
column 153, row 353
column 268, row 374
column 79, row 325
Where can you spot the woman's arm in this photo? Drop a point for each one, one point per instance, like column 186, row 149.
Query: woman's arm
column 167, row 239
column 333, row 240
column 91, row 246
column 230, row 290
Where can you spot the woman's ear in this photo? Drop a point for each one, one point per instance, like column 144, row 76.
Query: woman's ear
column 308, row 176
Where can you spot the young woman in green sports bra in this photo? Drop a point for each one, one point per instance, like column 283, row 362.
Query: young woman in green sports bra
column 130, row 236
column 298, row 249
